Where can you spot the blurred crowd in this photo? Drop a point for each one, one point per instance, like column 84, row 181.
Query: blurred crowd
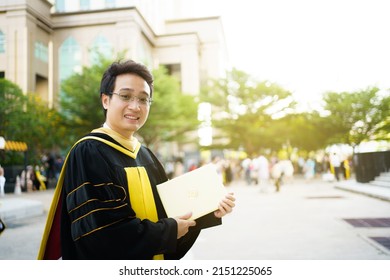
column 263, row 170
column 260, row 170
column 40, row 176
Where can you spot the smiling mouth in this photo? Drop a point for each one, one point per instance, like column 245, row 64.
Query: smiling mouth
column 131, row 118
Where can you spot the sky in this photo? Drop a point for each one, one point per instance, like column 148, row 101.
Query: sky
column 307, row 46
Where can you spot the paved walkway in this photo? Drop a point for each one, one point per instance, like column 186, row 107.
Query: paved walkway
column 365, row 189
column 305, row 220
column 24, row 206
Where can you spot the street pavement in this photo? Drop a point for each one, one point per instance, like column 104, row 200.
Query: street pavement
column 303, row 221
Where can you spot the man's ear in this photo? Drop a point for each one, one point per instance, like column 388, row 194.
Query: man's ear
column 105, row 100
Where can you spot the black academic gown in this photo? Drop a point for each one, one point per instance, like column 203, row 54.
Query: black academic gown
column 95, row 212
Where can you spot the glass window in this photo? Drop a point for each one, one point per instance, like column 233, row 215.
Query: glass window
column 44, row 53
column 60, row 6
column 2, row 42
column 70, row 58
column 100, row 47
column 84, row 5
column 36, row 50
column 41, row 51
column 110, row 3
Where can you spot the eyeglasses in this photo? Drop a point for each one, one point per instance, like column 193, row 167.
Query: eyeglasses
column 126, row 96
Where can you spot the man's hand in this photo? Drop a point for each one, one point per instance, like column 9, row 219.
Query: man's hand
column 183, row 224
column 225, row 206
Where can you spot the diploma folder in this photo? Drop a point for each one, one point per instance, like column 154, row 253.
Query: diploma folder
column 199, row 191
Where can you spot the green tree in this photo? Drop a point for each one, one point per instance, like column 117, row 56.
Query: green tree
column 383, row 130
column 27, row 118
column 358, row 116
column 306, row 131
column 43, row 128
column 245, row 110
column 80, row 104
column 12, row 102
column 173, row 115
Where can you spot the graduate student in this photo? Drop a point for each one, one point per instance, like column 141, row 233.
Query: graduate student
column 106, row 205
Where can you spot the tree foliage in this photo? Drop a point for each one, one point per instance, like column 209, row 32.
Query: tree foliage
column 80, row 104
column 253, row 115
column 172, row 114
column 358, row 116
column 27, row 118
column 245, row 109
column 306, row 131
column 247, row 114
column 12, row 102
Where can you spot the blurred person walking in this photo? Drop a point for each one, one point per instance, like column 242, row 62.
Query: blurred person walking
column 263, row 171
column 2, row 182
column 246, row 166
column 335, row 165
column 309, row 169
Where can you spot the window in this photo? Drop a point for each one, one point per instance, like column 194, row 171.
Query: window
column 100, row 47
column 60, row 6
column 2, row 42
column 70, row 58
column 110, row 3
column 84, row 5
column 40, row 51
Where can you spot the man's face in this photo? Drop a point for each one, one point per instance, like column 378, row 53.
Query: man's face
column 126, row 117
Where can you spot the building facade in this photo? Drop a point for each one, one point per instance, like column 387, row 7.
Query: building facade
column 44, row 42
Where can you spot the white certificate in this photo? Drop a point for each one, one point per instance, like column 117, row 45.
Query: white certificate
column 198, row 191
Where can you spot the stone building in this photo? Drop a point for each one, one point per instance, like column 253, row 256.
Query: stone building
column 43, row 42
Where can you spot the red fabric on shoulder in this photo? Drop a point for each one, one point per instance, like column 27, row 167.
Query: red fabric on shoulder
column 53, row 245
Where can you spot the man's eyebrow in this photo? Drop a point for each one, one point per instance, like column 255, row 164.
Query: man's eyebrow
column 132, row 90
column 129, row 89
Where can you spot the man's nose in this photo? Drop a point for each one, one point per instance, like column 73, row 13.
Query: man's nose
column 133, row 103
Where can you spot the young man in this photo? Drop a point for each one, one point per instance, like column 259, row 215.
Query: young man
column 106, row 205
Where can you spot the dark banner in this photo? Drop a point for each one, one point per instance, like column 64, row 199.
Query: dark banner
column 369, row 165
